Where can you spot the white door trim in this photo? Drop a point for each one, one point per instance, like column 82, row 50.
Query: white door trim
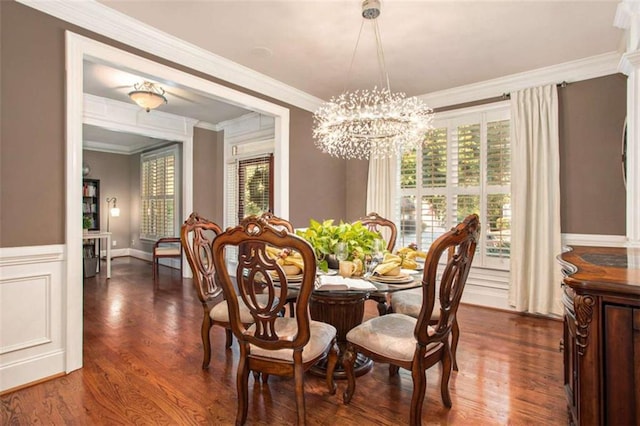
column 79, row 48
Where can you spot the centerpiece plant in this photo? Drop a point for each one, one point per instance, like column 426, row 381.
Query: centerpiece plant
column 323, row 237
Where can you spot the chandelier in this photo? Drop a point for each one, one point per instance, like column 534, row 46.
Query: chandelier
column 147, row 95
column 373, row 123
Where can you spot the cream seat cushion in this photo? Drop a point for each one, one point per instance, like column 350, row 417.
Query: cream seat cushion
column 220, row 312
column 390, row 335
column 322, row 335
column 409, row 302
column 167, row 251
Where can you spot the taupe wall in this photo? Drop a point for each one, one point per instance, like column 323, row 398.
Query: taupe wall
column 356, row 190
column 114, row 173
column 33, row 145
column 317, row 182
column 593, row 197
column 208, row 174
column 32, row 154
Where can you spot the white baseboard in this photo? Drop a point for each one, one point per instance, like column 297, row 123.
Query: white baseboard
column 479, row 295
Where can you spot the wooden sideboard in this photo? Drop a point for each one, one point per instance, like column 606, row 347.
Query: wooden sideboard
column 601, row 339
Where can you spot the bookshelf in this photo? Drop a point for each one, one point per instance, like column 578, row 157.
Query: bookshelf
column 91, row 202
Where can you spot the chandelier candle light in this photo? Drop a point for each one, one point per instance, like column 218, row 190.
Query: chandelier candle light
column 147, row 95
column 373, row 123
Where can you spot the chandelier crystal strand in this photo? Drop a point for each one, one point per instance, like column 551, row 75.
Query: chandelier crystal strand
column 374, row 123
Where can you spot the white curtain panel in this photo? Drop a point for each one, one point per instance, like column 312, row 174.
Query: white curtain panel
column 535, row 201
column 381, row 187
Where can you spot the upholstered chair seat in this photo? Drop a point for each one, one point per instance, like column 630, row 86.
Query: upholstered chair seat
column 390, row 335
column 322, row 335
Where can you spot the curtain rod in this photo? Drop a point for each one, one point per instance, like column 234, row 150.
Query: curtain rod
column 560, row 85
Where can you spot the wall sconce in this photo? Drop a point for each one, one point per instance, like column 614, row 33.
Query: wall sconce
column 147, row 95
column 113, row 211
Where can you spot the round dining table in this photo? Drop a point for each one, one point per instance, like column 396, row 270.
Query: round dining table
column 344, row 309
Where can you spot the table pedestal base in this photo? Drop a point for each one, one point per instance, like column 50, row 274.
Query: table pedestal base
column 344, row 311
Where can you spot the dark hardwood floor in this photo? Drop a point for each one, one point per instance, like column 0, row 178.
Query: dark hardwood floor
column 143, row 355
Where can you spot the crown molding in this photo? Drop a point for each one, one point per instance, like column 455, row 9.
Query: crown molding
column 581, row 69
column 628, row 18
column 208, row 126
column 108, row 22
column 112, row 148
column 629, row 62
column 129, row 118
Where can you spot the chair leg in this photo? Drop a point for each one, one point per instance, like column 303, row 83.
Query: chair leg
column 331, row 366
column 228, row 341
column 455, row 336
column 348, row 361
column 446, row 375
column 419, row 377
column 153, row 266
column 298, row 376
column 206, row 341
column 393, row 370
column 242, row 383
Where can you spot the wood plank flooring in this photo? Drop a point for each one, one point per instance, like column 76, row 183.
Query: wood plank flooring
column 143, row 354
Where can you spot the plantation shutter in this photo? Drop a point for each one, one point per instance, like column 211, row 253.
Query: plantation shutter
column 498, row 208
column 159, row 194
column 463, row 167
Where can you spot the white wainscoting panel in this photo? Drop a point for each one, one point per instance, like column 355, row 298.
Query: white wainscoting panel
column 594, row 240
column 487, row 287
column 490, row 288
column 31, row 314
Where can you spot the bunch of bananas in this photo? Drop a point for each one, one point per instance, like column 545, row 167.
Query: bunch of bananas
column 409, row 255
column 286, row 257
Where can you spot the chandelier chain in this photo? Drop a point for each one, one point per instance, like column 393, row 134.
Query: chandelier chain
column 373, row 123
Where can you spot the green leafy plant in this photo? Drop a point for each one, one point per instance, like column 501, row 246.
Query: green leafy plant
column 86, row 222
column 323, row 237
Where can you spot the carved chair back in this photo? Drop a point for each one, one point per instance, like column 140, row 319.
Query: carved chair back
column 459, row 244
column 277, row 222
column 257, row 272
column 376, row 223
column 197, row 235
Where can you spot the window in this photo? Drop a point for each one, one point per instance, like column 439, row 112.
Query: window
column 159, row 193
column 463, row 168
column 249, row 181
column 255, row 183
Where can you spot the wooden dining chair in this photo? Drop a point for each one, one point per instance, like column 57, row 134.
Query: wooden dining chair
column 388, row 230
column 410, row 303
column 376, row 223
column 274, row 344
column 411, row 343
column 280, row 223
column 196, row 236
column 167, row 247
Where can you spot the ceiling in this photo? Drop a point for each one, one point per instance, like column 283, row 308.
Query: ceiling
column 428, row 45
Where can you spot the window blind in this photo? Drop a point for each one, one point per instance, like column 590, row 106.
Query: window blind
column 158, row 193
column 255, row 186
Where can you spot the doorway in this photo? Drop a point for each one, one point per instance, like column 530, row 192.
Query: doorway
column 79, row 48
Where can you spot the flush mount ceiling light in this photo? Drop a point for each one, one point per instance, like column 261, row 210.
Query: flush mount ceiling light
column 373, row 123
column 147, row 95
